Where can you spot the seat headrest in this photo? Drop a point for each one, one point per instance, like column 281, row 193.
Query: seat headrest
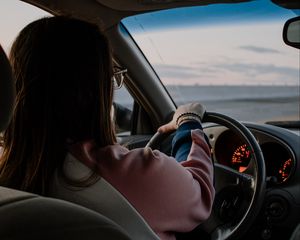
column 7, row 91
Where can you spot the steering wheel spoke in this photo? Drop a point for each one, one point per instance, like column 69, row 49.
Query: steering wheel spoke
column 226, row 176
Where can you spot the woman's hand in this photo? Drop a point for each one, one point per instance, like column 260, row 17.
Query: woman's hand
column 184, row 113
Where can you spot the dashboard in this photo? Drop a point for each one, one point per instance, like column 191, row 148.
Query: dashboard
column 281, row 151
column 230, row 150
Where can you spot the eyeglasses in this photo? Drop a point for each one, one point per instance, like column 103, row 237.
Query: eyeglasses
column 118, row 77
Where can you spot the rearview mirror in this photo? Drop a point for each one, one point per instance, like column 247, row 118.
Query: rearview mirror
column 291, row 32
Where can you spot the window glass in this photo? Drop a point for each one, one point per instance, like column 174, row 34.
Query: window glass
column 123, row 107
column 230, row 57
column 14, row 16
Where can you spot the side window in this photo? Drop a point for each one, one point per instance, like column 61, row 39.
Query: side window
column 123, row 108
column 14, row 16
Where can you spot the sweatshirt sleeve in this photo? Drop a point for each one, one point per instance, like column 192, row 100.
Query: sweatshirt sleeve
column 171, row 196
column 182, row 141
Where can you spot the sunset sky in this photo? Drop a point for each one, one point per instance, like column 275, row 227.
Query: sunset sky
column 217, row 45
column 196, row 53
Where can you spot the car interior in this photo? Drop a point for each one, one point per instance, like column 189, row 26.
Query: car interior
column 256, row 198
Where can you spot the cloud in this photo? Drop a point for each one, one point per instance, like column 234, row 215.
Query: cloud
column 228, row 72
column 259, row 49
column 254, row 69
column 176, row 71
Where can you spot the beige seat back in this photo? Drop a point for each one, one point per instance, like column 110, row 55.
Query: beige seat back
column 28, row 216
column 101, row 197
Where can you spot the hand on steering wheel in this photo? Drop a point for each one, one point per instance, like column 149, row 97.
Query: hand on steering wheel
column 227, row 181
column 187, row 112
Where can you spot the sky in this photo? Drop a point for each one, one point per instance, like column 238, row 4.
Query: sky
column 216, row 45
column 206, row 52
column 222, row 55
column 14, row 15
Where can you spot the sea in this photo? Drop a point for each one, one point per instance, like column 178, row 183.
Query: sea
column 246, row 103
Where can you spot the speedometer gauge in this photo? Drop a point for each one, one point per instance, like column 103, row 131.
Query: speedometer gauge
column 241, row 158
column 285, row 170
column 232, row 152
column 279, row 162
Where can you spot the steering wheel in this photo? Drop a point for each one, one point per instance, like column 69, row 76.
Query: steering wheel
column 239, row 196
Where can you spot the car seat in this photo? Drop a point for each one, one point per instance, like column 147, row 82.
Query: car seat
column 100, row 197
column 29, row 216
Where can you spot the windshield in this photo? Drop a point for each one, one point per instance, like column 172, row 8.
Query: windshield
column 230, row 57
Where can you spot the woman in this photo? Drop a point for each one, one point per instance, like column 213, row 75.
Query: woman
column 63, row 71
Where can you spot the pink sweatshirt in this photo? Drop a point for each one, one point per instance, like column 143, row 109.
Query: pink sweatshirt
column 171, row 196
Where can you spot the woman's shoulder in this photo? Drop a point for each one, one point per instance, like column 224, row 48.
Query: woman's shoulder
column 116, row 157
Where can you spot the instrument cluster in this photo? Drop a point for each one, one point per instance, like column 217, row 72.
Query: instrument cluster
column 230, row 150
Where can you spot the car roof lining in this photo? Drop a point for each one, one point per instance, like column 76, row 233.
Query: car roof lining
column 150, row 5
column 107, row 13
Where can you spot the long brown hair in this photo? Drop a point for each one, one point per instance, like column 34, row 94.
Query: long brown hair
column 63, row 71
